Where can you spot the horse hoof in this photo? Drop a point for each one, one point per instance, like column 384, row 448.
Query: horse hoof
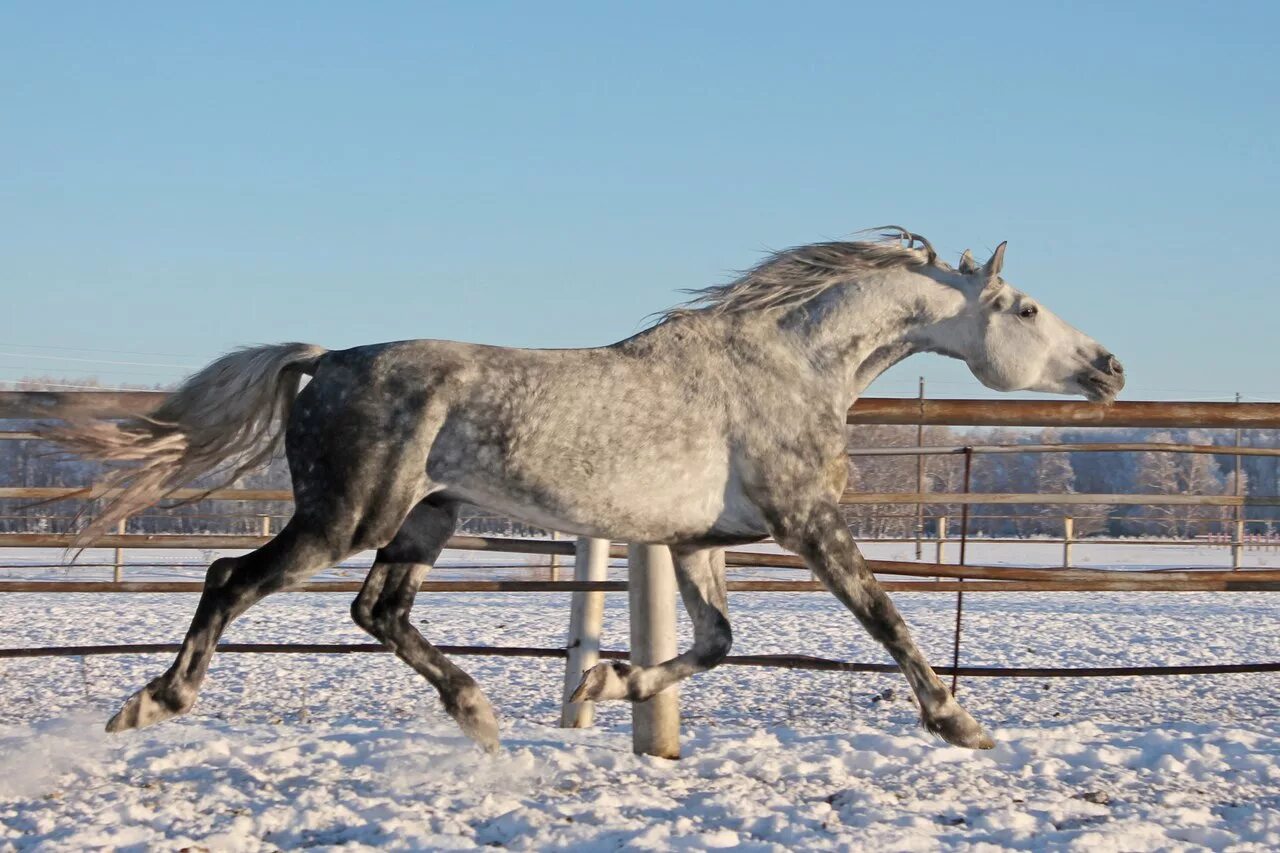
column 602, row 682
column 474, row 715
column 142, row 709
column 954, row 725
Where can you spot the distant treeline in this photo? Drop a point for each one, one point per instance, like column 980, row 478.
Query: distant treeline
column 1059, row 473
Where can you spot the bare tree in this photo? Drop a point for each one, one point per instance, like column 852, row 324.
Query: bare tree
column 1181, row 474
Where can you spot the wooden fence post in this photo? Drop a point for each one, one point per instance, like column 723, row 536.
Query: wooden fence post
column 555, row 559
column 1237, row 545
column 920, row 477
column 1237, row 550
column 942, row 539
column 586, row 616
column 117, row 572
column 655, row 724
column 1068, row 536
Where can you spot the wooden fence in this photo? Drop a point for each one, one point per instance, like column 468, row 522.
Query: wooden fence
column 651, row 583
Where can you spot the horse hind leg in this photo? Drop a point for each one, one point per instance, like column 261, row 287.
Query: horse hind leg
column 348, row 497
column 700, row 575
column 384, row 603
column 232, row 585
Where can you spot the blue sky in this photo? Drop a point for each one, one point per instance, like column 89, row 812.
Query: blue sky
column 180, row 180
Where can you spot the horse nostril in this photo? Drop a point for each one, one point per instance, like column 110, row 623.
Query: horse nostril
column 1114, row 365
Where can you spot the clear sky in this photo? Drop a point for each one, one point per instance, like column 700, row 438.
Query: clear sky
column 176, row 180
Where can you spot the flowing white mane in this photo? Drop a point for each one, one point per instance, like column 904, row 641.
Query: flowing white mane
column 794, row 276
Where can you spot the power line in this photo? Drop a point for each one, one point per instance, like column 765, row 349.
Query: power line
column 94, row 360
column 93, row 349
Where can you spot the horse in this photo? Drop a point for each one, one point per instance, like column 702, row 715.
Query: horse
column 720, row 424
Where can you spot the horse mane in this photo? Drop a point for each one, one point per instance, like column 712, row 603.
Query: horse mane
column 795, row 276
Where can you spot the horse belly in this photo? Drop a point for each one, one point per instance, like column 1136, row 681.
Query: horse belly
column 657, row 503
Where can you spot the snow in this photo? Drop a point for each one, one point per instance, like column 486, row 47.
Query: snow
column 353, row 752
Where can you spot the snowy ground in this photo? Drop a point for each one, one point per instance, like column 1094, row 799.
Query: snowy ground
column 348, row 751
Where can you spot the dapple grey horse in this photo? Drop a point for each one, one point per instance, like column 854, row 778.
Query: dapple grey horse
column 723, row 423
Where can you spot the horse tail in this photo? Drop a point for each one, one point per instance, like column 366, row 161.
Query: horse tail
column 224, row 421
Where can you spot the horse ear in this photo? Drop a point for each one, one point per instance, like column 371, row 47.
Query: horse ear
column 993, row 266
column 968, row 265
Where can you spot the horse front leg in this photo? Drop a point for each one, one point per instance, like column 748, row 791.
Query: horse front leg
column 700, row 575
column 819, row 535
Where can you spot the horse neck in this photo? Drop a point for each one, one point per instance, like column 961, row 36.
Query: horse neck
column 840, row 341
column 858, row 330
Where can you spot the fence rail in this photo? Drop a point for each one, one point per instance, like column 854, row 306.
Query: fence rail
column 772, row 661
column 1059, row 413
column 1119, row 582
column 867, row 410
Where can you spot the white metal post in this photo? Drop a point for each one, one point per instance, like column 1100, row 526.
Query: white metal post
column 655, row 724
column 586, row 617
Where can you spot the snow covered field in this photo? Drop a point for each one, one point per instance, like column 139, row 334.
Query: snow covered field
column 321, row 752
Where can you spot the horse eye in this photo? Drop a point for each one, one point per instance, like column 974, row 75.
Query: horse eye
column 1029, row 312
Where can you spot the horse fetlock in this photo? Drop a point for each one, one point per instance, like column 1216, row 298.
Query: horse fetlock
column 152, row 704
column 953, row 724
column 605, row 681
column 474, row 715
column 220, row 572
column 363, row 617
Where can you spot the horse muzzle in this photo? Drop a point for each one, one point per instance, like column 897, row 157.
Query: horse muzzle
column 1102, row 380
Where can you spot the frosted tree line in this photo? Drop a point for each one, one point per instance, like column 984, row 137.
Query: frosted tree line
column 1062, row 473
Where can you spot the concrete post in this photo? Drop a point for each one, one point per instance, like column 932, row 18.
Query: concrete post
column 655, row 724
column 586, row 616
